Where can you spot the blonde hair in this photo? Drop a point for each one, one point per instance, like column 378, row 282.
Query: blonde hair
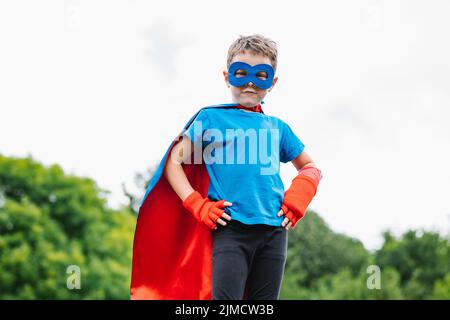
column 256, row 44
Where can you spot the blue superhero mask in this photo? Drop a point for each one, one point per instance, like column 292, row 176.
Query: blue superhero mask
column 241, row 73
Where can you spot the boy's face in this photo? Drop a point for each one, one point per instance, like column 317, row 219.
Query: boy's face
column 249, row 95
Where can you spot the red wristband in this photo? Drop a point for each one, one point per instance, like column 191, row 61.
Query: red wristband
column 301, row 192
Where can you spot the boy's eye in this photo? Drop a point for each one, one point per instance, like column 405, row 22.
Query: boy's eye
column 240, row 73
column 262, row 75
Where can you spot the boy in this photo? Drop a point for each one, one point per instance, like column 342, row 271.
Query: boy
column 233, row 189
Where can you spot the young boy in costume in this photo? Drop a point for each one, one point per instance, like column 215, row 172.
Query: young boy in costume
column 214, row 221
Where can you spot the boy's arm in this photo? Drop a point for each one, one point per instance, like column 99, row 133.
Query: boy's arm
column 203, row 209
column 174, row 171
column 301, row 191
column 302, row 160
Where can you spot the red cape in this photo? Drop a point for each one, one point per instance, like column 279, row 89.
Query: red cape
column 172, row 252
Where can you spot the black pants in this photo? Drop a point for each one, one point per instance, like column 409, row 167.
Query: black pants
column 254, row 253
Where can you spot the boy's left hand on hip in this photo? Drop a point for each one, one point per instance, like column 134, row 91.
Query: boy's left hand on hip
column 286, row 222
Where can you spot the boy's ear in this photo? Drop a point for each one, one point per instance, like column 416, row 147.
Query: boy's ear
column 275, row 79
column 225, row 75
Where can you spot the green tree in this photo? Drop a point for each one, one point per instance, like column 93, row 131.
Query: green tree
column 344, row 285
column 421, row 258
column 441, row 288
column 50, row 220
column 314, row 251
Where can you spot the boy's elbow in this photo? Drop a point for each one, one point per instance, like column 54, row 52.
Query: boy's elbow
column 170, row 165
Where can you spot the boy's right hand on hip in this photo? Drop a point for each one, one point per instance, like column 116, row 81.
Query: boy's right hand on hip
column 207, row 211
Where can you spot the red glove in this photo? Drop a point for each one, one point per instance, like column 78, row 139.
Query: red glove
column 300, row 194
column 203, row 209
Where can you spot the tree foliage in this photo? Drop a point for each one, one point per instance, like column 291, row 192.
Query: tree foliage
column 49, row 221
column 422, row 258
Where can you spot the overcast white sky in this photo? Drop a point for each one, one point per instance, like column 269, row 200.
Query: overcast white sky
column 102, row 87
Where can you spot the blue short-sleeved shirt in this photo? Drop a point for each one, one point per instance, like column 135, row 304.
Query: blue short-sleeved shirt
column 242, row 151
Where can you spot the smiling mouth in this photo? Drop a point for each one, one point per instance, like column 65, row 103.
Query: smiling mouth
column 248, row 92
